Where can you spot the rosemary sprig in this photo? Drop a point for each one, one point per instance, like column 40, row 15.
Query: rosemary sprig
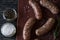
column 56, row 32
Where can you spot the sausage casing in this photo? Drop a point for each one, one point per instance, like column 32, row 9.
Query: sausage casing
column 50, row 6
column 27, row 28
column 46, row 27
column 36, row 8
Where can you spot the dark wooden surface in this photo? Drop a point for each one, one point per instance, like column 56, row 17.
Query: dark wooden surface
column 5, row 4
column 25, row 11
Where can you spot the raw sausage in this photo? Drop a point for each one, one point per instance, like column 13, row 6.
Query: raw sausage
column 49, row 5
column 27, row 28
column 46, row 27
column 36, row 8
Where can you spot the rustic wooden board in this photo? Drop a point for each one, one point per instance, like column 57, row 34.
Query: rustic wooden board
column 25, row 11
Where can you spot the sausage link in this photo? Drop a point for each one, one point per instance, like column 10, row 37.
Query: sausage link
column 50, row 6
column 46, row 27
column 27, row 28
column 36, row 8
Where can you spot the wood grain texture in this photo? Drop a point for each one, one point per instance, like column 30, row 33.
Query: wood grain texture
column 24, row 12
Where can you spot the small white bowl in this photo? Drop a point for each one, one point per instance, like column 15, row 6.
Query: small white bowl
column 8, row 30
column 10, row 19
